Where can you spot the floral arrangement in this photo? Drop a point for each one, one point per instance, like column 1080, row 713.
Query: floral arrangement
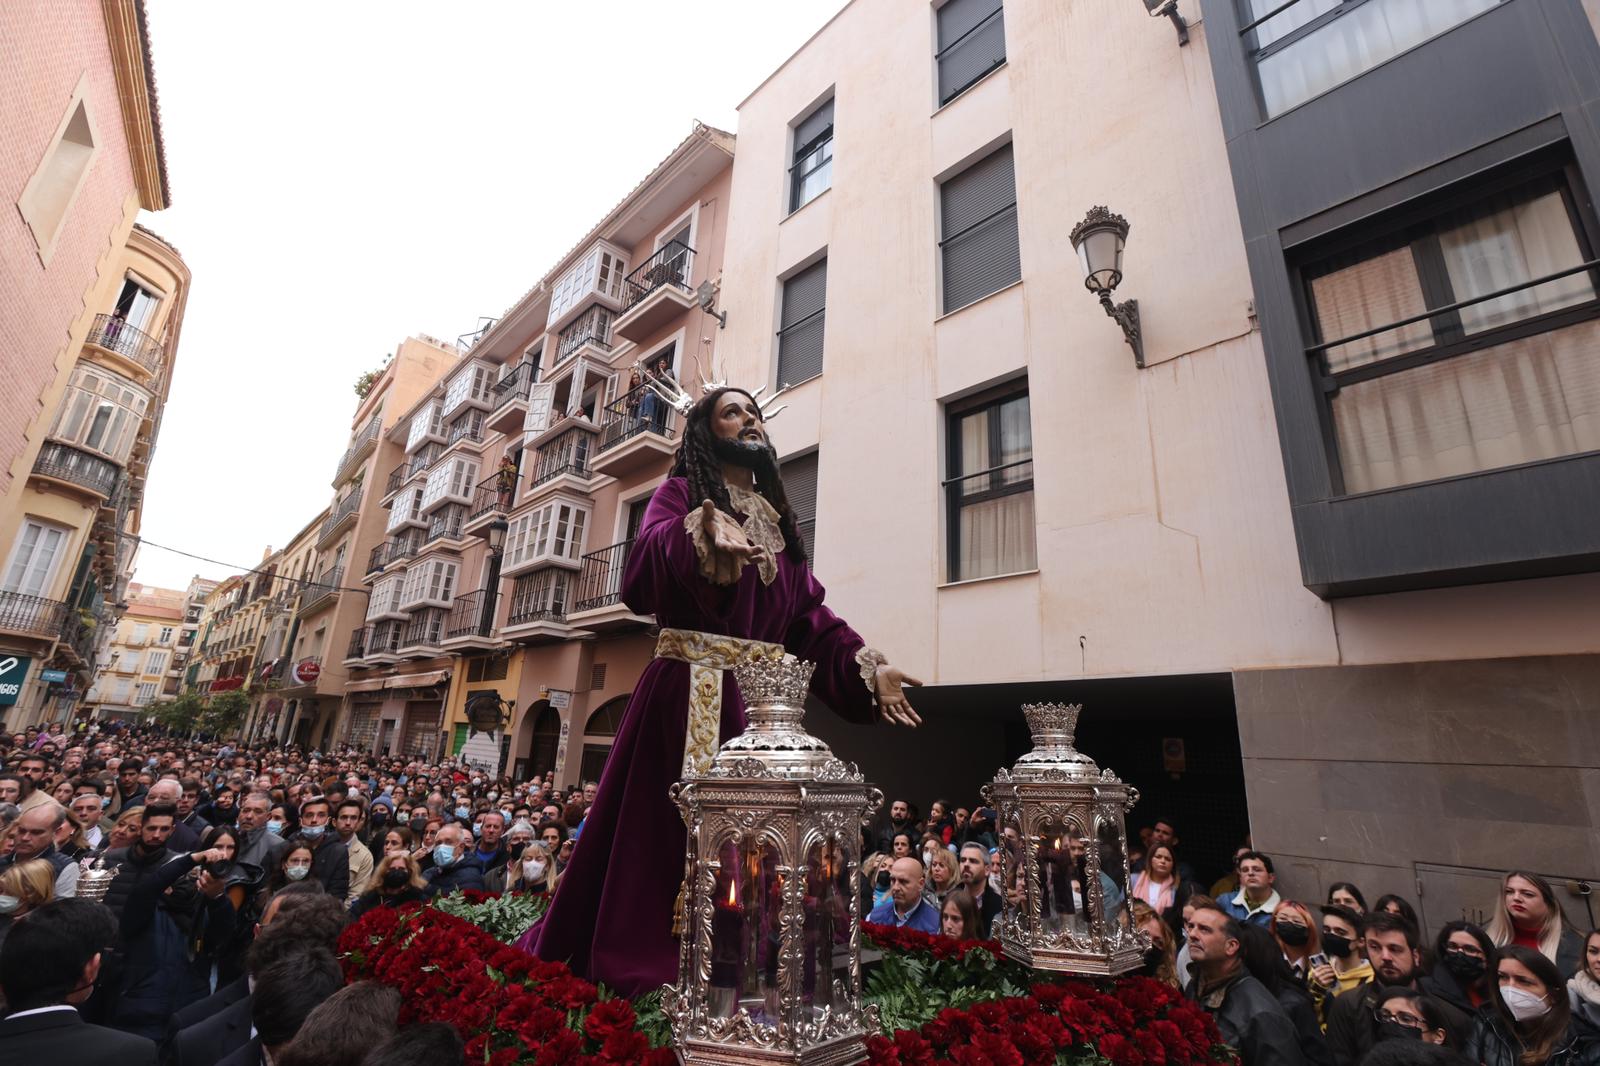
column 503, row 917
column 941, row 1000
column 509, row 1007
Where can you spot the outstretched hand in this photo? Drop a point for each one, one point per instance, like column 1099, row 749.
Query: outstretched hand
column 892, row 700
column 729, row 551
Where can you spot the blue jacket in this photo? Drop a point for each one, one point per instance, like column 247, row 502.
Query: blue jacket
column 461, row 874
column 1234, row 907
column 923, row 917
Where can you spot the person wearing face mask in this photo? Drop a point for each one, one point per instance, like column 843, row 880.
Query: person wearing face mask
column 1393, row 948
column 395, row 880
column 454, row 865
column 532, row 869
column 331, row 859
column 1263, row 961
column 1530, row 1022
column 23, row 887
column 1160, row 959
column 1464, row 965
column 1583, row 990
column 1346, row 967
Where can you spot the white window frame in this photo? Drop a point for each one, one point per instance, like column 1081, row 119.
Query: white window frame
column 33, row 581
column 90, row 390
column 155, row 662
column 554, row 532
column 430, row 583
column 146, row 693
column 427, row 422
column 166, row 635
column 385, row 596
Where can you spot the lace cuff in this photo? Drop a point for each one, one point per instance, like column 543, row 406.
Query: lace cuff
column 695, row 526
column 869, row 659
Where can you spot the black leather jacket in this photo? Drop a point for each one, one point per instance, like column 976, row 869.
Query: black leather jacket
column 1493, row 1044
column 1250, row 1018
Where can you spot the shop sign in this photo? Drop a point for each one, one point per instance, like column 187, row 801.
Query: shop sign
column 52, row 675
column 307, row 671
column 13, row 672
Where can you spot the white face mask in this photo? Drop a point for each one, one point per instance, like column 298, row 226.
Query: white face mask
column 296, row 873
column 532, row 869
column 9, row 904
column 1523, row 1005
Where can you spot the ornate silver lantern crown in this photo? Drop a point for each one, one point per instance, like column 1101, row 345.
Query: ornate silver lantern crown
column 775, row 742
column 1053, row 726
column 95, row 882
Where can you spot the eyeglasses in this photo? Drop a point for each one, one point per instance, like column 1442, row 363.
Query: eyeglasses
column 1473, row 952
column 1410, row 1021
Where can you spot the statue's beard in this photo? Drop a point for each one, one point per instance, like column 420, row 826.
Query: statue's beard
column 754, row 455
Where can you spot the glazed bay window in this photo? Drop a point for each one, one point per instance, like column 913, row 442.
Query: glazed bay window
column 101, row 413
column 470, row 383
column 989, row 489
column 1303, row 48
column 431, row 582
column 1468, row 341
column 427, row 424
column 805, row 297
column 972, row 42
column 551, row 533
column 405, row 508
column 385, row 598
column 811, row 173
column 449, row 482
column 978, row 215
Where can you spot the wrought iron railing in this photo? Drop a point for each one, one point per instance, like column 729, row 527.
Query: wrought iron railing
column 377, row 558
column 591, row 327
column 468, row 427
column 365, row 436
column 21, row 613
column 114, row 334
column 489, row 496
column 385, row 638
column 600, row 579
column 514, row 386
column 539, row 597
column 426, row 628
column 66, row 463
column 467, row 619
column 446, row 523
column 358, row 643
column 566, row 453
column 424, row 458
column 402, row 548
column 346, row 508
column 397, row 477
column 636, row 411
column 324, row 588
column 669, row 266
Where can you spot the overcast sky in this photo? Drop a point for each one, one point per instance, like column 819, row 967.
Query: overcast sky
column 346, row 174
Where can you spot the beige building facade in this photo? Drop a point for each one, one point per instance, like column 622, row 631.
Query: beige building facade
column 143, row 654
column 1069, row 525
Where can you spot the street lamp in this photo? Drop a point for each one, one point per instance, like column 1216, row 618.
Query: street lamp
column 1099, row 241
column 1169, row 8
column 491, row 585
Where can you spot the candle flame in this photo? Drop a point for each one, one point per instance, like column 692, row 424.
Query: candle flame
column 733, row 893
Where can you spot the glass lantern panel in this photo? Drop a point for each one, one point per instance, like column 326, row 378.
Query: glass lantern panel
column 745, row 924
column 1013, row 868
column 1061, row 854
column 1114, row 875
column 827, row 921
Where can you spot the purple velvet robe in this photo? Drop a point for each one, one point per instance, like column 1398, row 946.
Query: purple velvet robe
column 611, row 917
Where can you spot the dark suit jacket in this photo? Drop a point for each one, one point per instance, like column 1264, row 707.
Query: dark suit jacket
column 249, row 1055
column 212, row 1038
column 61, row 1036
column 198, row 1011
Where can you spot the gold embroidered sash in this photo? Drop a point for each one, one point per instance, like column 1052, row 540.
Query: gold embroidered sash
column 708, row 655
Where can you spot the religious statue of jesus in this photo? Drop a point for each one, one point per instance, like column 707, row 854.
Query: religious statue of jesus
column 720, row 563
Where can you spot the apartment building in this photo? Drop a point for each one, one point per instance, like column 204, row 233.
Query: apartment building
column 185, row 659
column 143, row 649
column 516, row 484
column 1294, row 604
column 89, row 315
column 280, row 677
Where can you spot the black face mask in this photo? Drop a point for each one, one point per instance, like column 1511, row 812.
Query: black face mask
column 1336, row 945
column 1293, row 934
column 883, row 878
column 1463, row 967
column 393, row 879
column 1152, row 960
column 1396, row 1031
column 379, row 818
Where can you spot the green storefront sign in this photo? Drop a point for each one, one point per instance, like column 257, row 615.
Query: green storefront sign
column 13, row 672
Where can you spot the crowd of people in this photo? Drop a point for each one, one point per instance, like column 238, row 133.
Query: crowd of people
column 164, row 899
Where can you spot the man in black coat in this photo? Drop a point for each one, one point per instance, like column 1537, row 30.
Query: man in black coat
column 454, row 865
column 975, row 879
column 143, row 858
column 330, row 859
column 1248, row 1016
column 1392, row 947
column 50, row 963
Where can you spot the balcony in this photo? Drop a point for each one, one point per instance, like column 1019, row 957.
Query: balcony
column 397, row 477
column 32, row 616
column 635, row 431
column 423, row 634
column 322, row 592
column 377, row 559
column 358, row 645
column 72, row 467
column 467, row 626
column 597, row 276
column 365, row 441
column 399, row 549
column 427, row 425
column 490, row 500
column 509, row 400
column 470, row 386
column 447, row 524
column 590, row 330
column 342, row 518
column 658, row 292
column 469, row 428
column 406, row 511
column 538, row 612
column 423, row 460
column 113, row 335
column 383, row 646
column 563, row 461
column 598, row 606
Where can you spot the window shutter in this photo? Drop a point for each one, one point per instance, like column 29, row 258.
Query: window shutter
column 978, row 208
column 800, row 485
column 802, row 325
column 597, row 676
column 812, row 126
column 968, row 47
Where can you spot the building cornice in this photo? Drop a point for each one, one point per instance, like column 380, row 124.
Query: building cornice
column 128, row 35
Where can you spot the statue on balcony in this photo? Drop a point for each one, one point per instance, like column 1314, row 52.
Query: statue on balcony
column 721, row 564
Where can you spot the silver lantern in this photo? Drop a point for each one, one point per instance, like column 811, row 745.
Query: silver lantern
column 769, row 964
column 1064, row 854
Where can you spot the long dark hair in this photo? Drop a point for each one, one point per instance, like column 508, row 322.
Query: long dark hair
column 1538, row 1036
column 697, row 463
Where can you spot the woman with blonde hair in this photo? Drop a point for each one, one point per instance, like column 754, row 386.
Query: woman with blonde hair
column 396, row 878
column 944, row 873
column 24, row 886
column 1527, row 914
column 1160, row 962
column 70, row 838
column 532, row 870
column 125, row 832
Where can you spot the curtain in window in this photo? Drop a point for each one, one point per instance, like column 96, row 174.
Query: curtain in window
column 1502, row 243
column 1364, row 295
column 997, row 536
column 1355, row 41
